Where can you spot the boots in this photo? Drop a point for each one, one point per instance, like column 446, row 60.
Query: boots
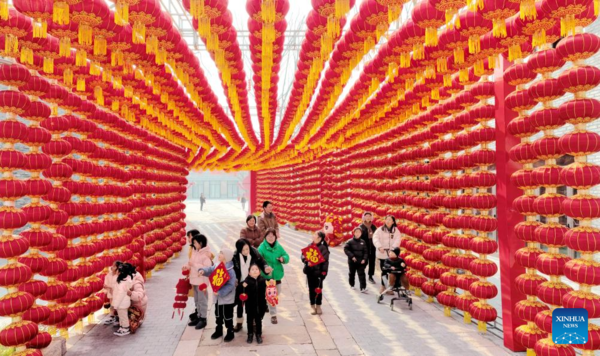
column 318, row 310
column 259, row 339
column 230, row 335
column 238, row 326
column 194, row 322
column 218, row 332
column 201, row 323
column 313, row 310
column 250, row 337
column 193, row 317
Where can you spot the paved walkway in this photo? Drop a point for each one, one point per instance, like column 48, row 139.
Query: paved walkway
column 352, row 323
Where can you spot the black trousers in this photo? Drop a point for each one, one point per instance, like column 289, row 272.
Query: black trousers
column 381, row 263
column 240, row 308
column 357, row 267
column 371, row 261
column 314, row 283
column 254, row 322
column 224, row 313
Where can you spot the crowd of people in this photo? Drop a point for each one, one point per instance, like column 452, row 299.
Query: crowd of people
column 256, row 270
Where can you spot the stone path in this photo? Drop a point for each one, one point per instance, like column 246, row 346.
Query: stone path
column 352, row 323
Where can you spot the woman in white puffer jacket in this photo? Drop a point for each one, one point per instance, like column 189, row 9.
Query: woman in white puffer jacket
column 385, row 239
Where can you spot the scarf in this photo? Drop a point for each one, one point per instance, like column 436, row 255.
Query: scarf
column 245, row 265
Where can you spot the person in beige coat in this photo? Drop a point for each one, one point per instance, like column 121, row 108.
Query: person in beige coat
column 386, row 238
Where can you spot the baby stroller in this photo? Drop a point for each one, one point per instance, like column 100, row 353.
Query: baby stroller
column 395, row 271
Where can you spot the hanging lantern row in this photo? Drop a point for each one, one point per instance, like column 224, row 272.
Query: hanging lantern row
column 267, row 26
column 214, row 24
column 60, row 179
column 105, row 52
column 324, row 23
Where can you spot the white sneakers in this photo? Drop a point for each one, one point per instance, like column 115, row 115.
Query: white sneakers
column 122, row 332
column 110, row 320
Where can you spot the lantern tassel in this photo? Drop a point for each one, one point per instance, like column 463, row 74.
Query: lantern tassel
column 463, row 75
column 459, row 55
column 482, row 326
column 4, row 10
column 596, row 7
column 447, row 311
column 478, row 68
column 40, row 28
column 98, row 94
column 48, row 65
column 60, row 13
column 26, row 55
column 431, row 36
column 122, row 13
column 11, row 44
column 474, row 44
column 538, row 38
column 99, row 46
column 530, row 352
column 418, row 52
column 81, row 58
column 447, row 80
column 567, row 25
column 341, row 8
column 84, row 35
column 442, row 65
column 68, row 77
column 514, row 52
column 139, row 33
column 80, row 84
column 64, row 47
column 467, row 318
column 527, row 10
column 499, row 29
column 449, row 16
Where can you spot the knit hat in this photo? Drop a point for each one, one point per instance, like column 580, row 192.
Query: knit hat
column 396, row 250
column 228, row 254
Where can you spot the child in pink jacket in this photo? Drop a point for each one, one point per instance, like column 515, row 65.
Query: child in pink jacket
column 110, row 280
column 122, row 301
column 200, row 258
column 139, row 298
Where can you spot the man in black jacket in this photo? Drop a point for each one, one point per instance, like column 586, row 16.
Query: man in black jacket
column 368, row 229
column 357, row 252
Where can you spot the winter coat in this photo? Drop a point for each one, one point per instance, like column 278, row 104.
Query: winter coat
column 199, row 259
column 321, row 269
column 110, row 281
column 256, row 258
column 138, row 293
column 266, row 221
column 271, row 255
column 253, row 235
column 257, row 298
column 356, row 248
column 365, row 233
column 225, row 295
column 398, row 264
column 386, row 240
column 120, row 298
